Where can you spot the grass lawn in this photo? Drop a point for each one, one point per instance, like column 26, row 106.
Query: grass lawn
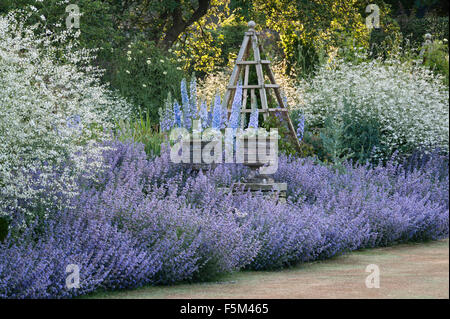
column 406, row 271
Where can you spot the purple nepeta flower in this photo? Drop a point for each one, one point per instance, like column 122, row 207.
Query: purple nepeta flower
column 149, row 221
column 285, row 101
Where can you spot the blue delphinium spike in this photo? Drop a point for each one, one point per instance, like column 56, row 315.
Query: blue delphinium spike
column 210, row 115
column 253, row 123
column 193, row 97
column 166, row 114
column 285, row 101
column 217, row 113
column 163, row 121
column 236, row 108
column 177, row 113
column 172, row 117
column 203, row 114
column 187, row 118
column 301, row 127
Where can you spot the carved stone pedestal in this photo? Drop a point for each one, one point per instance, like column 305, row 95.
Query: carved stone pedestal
column 255, row 156
column 269, row 190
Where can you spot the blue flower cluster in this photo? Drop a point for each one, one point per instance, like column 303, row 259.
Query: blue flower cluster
column 176, row 115
column 236, row 106
column 300, row 127
column 217, row 118
column 253, row 123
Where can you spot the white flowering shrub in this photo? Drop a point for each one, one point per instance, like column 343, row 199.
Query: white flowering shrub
column 53, row 112
column 399, row 106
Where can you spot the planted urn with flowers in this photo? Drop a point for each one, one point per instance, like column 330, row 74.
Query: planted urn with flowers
column 204, row 136
column 194, row 129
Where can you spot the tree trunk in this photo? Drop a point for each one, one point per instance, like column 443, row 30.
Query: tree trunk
column 178, row 24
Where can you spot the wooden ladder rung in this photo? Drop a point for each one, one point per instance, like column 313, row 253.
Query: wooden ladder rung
column 245, row 86
column 253, row 62
column 256, row 86
column 263, row 110
column 277, row 109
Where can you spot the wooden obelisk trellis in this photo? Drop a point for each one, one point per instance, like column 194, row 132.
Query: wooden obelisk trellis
column 251, row 40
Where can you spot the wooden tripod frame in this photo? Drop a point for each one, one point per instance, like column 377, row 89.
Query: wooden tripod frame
column 251, row 40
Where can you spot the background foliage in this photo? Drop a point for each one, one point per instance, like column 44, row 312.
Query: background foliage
column 204, row 36
column 81, row 141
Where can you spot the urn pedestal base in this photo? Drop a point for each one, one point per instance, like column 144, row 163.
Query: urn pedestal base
column 270, row 190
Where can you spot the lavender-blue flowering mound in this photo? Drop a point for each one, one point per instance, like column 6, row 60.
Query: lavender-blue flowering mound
column 148, row 221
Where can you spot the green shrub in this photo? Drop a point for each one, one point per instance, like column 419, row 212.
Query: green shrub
column 230, row 38
column 414, row 28
column 141, row 131
column 145, row 75
column 307, row 58
column 97, row 24
column 285, row 143
column 436, row 58
column 376, row 44
column 360, row 134
column 348, row 135
column 102, row 28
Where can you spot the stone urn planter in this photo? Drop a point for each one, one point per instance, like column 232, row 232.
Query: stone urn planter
column 199, row 154
column 256, row 153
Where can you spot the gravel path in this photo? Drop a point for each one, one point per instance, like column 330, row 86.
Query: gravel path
column 406, row 271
